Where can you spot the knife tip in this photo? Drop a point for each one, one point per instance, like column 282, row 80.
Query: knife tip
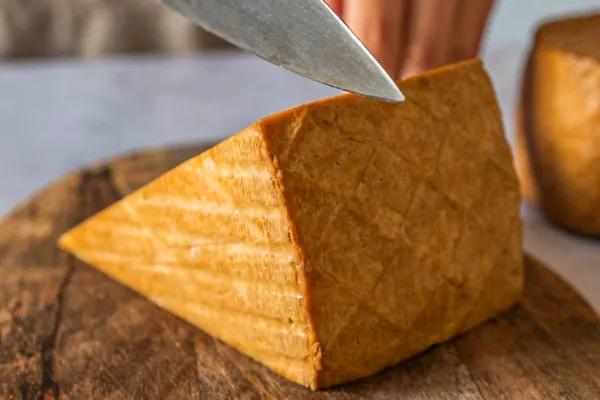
column 390, row 93
column 395, row 95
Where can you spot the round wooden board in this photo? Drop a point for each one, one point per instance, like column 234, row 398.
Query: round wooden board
column 68, row 331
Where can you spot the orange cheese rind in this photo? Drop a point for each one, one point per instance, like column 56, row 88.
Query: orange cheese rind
column 558, row 123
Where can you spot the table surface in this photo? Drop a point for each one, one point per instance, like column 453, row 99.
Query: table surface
column 60, row 115
column 69, row 331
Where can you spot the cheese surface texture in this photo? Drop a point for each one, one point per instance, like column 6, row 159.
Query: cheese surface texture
column 335, row 239
column 559, row 123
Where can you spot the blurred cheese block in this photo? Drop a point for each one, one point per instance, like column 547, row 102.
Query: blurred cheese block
column 335, row 239
column 559, row 124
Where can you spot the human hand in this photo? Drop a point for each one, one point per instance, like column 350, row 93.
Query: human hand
column 410, row 36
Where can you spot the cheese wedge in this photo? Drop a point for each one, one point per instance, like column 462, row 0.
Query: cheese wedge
column 558, row 132
column 335, row 239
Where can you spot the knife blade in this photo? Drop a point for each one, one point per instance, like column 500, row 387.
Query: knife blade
column 303, row 36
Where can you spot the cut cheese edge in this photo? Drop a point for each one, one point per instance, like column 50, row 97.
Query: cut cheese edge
column 210, row 241
column 335, row 239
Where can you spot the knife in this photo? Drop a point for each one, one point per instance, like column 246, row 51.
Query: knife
column 303, row 36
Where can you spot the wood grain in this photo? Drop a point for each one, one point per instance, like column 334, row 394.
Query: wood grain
column 67, row 331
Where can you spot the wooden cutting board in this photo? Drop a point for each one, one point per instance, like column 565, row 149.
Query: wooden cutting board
column 68, row 331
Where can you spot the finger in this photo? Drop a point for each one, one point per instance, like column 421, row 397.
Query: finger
column 379, row 25
column 430, row 34
column 337, row 6
column 471, row 21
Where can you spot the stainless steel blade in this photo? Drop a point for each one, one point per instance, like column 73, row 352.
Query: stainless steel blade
column 302, row 36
